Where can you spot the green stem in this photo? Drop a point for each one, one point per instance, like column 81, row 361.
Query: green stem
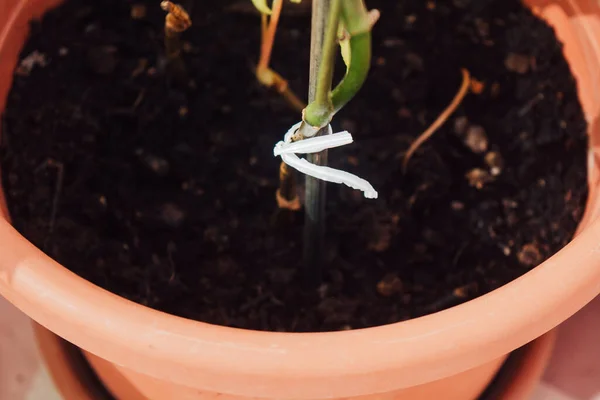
column 358, row 24
column 319, row 112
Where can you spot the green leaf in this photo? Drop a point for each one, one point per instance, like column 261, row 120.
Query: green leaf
column 296, row 1
column 344, row 44
column 261, row 5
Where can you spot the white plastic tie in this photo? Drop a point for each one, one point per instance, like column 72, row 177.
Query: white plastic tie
column 288, row 150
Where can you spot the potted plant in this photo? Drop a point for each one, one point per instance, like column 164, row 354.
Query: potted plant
column 454, row 353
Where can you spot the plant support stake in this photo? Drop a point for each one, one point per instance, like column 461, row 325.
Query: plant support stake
column 324, row 103
column 314, row 221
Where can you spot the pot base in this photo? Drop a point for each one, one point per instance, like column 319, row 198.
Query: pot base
column 75, row 379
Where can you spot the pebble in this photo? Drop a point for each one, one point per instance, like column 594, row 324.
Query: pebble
column 529, row 255
column 477, row 87
column 518, row 63
column 476, row 139
column 494, row 160
column 34, row 59
column 478, row 177
column 389, row 285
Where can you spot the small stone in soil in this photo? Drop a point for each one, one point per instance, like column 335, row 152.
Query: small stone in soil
column 529, row 255
column 476, row 139
column 518, row 63
column 34, row 59
column 477, row 87
column 389, row 285
column 494, row 160
column 478, row 177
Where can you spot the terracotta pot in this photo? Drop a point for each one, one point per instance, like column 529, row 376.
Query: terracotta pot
column 74, row 379
column 71, row 374
column 449, row 355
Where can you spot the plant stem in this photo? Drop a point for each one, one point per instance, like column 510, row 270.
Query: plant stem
column 319, row 111
column 358, row 22
column 268, row 39
column 265, row 75
column 325, row 18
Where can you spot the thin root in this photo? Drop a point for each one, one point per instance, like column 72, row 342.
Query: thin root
column 464, row 88
column 268, row 39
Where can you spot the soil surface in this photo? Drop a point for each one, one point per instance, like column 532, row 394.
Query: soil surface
column 166, row 196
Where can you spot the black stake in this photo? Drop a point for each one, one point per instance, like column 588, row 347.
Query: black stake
column 314, row 223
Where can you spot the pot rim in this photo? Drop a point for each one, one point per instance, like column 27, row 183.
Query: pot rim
column 411, row 352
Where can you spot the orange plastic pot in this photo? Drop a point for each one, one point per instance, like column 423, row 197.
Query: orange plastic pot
column 452, row 355
column 517, row 379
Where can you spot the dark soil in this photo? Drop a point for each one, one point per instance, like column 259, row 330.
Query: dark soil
column 167, row 196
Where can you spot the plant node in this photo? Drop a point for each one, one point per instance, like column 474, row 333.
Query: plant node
column 264, row 74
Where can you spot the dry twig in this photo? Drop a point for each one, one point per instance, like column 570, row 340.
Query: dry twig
column 464, row 88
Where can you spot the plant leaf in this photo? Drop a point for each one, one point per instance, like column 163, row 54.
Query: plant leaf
column 344, row 44
column 261, row 5
column 296, row 1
